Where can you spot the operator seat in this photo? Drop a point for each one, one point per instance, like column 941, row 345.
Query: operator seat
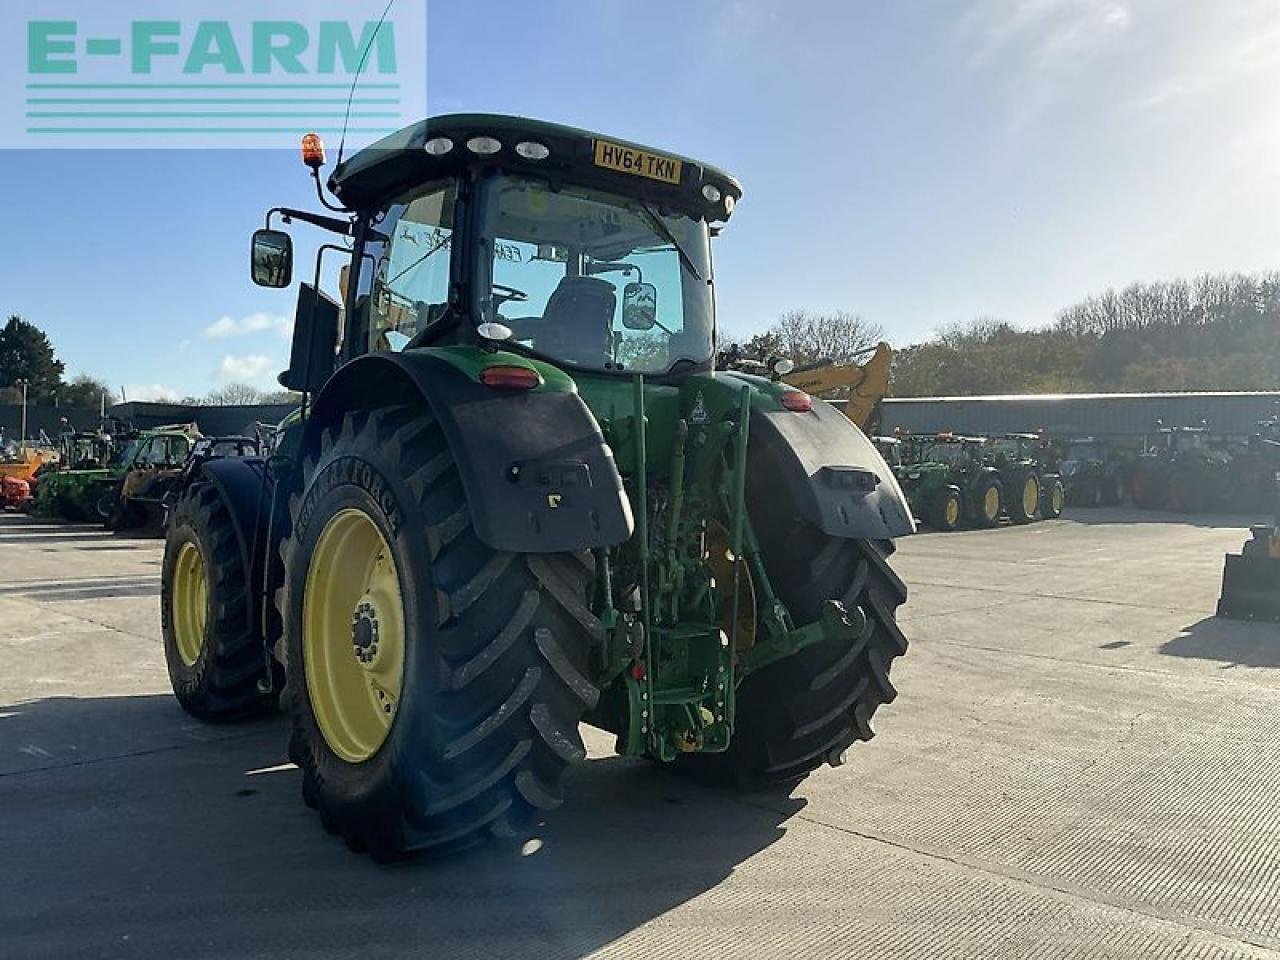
column 576, row 324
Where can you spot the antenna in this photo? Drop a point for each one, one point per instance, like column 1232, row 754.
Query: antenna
column 346, row 120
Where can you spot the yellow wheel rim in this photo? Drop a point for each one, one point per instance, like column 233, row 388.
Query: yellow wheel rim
column 353, row 635
column 190, row 603
column 991, row 503
column 1058, row 497
column 1030, row 496
column 952, row 511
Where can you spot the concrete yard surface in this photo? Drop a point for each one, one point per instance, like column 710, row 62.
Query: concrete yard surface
column 1082, row 762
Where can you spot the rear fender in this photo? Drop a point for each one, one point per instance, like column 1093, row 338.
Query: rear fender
column 826, row 470
column 538, row 475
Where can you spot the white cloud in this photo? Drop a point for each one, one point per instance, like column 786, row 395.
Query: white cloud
column 246, row 369
column 252, row 323
column 154, row 392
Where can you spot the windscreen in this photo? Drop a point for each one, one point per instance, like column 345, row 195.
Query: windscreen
column 594, row 279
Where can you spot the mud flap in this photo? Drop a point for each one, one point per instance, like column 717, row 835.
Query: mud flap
column 1251, row 588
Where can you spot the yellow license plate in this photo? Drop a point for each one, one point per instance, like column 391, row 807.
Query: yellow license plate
column 639, row 163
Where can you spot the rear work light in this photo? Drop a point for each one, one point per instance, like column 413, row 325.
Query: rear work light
column 797, row 401
column 505, row 377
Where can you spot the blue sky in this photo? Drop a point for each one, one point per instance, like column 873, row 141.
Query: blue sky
column 918, row 163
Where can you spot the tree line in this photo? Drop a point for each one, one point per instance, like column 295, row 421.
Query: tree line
column 1215, row 332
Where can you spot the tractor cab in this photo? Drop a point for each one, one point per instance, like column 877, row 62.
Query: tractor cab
column 954, row 450
column 1171, row 442
column 552, row 242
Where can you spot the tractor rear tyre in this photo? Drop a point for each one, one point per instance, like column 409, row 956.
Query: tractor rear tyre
column 809, row 708
column 987, row 500
column 1024, row 497
column 946, row 509
column 435, row 685
column 215, row 660
column 1053, row 496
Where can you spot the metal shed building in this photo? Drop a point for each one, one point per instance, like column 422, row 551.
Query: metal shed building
column 1094, row 414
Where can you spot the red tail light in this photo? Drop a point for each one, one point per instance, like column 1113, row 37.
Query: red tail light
column 501, row 377
column 797, row 401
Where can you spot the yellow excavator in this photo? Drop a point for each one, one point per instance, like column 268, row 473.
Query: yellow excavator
column 867, row 382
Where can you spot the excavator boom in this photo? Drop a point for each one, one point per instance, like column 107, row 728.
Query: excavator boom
column 867, row 383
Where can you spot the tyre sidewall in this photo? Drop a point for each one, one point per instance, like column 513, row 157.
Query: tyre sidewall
column 188, row 681
column 980, row 498
column 938, row 516
column 355, row 476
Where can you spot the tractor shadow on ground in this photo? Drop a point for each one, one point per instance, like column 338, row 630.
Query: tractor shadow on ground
column 1234, row 643
column 1091, row 516
column 132, row 821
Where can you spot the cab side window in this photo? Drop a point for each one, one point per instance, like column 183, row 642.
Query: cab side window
column 411, row 278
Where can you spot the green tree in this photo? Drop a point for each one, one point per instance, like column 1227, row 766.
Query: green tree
column 26, row 354
column 85, row 391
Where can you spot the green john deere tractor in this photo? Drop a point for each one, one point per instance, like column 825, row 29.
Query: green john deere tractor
column 1032, row 490
column 932, row 496
column 949, row 482
column 521, row 497
column 68, row 488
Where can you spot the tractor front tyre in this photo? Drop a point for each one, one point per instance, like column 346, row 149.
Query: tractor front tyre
column 1024, row 499
column 1052, row 497
column 987, row 501
column 809, row 708
column 435, row 685
column 945, row 509
column 215, row 659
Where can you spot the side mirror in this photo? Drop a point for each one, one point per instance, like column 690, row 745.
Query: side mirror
column 271, row 258
column 639, row 306
column 313, row 354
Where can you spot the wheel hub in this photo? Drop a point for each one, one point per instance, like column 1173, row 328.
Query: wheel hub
column 364, row 632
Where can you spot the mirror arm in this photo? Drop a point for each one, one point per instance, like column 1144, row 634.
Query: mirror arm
column 332, row 224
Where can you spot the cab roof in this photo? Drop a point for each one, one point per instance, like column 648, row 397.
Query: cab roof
column 401, row 160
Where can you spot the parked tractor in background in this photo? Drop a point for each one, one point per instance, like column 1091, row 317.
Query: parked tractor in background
column 1031, row 489
column 69, row 488
column 1254, row 466
column 948, row 482
column 1181, row 472
column 1095, row 473
column 146, row 470
column 522, row 497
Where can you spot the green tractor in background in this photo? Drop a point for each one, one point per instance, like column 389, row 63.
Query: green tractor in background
column 933, row 498
column 522, row 497
column 949, row 483
column 1031, row 489
column 69, row 488
column 1180, row 471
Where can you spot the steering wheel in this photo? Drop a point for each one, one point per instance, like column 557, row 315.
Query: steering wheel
column 508, row 294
